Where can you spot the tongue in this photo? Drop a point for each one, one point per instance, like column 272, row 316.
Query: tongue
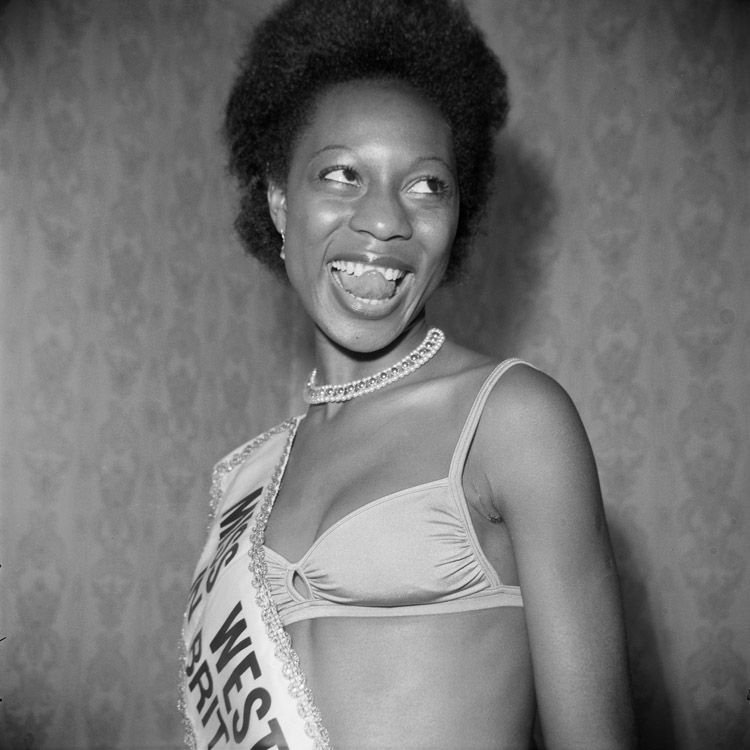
column 370, row 285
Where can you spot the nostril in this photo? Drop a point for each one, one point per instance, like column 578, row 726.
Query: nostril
column 382, row 216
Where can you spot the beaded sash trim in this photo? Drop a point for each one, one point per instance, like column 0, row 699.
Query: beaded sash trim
column 283, row 651
column 187, row 727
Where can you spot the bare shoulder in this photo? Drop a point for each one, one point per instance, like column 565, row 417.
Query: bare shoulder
column 532, row 445
column 526, row 397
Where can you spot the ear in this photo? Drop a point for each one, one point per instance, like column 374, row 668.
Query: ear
column 277, row 205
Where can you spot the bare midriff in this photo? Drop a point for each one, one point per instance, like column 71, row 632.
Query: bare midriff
column 450, row 681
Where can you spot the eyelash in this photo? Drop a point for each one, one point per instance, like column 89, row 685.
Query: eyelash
column 443, row 186
column 336, row 168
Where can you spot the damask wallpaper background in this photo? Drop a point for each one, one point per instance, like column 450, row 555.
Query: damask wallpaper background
column 138, row 345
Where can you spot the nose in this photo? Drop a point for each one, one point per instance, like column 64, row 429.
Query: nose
column 381, row 213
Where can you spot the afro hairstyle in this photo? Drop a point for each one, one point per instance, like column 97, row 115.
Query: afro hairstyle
column 305, row 46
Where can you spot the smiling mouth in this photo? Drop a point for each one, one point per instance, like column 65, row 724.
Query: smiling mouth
column 372, row 285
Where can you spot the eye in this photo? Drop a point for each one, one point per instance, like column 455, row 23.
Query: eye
column 429, row 186
column 342, row 175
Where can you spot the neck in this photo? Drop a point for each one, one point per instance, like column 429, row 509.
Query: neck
column 336, row 364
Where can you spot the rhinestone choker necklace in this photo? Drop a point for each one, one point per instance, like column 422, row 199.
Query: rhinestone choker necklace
column 321, row 394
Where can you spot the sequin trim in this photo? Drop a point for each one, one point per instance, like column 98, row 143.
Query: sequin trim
column 290, row 662
column 187, row 725
column 283, row 651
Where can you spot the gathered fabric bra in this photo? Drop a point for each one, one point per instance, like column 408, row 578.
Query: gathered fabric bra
column 413, row 552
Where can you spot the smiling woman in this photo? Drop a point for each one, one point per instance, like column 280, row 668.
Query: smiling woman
column 369, row 211
column 422, row 560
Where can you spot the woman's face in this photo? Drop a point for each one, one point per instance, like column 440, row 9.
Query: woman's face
column 369, row 210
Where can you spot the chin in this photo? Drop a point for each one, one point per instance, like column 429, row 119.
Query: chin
column 368, row 337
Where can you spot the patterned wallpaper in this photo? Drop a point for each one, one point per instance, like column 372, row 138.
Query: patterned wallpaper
column 138, row 345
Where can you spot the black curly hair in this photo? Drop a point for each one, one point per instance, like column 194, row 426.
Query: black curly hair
column 306, row 46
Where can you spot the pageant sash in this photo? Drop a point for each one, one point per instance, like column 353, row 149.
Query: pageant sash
column 242, row 684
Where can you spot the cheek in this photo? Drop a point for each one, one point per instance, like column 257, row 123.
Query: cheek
column 315, row 219
column 439, row 235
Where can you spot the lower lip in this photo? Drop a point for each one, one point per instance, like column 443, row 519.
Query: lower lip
column 364, row 308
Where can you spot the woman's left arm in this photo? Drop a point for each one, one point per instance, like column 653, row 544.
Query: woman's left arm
column 545, row 485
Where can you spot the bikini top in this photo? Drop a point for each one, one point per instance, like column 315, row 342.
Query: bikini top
column 413, row 552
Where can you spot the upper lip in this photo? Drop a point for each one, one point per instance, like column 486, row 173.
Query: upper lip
column 371, row 259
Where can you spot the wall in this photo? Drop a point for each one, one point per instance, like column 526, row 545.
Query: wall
column 138, row 345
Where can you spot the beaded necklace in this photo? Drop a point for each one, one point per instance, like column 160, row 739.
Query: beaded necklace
column 321, row 394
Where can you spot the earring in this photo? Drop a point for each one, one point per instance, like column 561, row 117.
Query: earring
column 282, row 254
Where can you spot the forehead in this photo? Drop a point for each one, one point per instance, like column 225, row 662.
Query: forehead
column 384, row 113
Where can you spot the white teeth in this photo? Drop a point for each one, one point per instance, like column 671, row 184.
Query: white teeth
column 357, row 269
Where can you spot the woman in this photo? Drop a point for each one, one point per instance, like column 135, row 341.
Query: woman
column 422, row 560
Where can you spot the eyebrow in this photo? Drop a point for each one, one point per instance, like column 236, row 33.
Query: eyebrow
column 415, row 163
column 434, row 157
column 332, row 147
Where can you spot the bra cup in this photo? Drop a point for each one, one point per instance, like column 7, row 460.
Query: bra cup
column 427, row 556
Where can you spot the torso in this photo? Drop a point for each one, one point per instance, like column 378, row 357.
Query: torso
column 446, row 680
column 438, row 681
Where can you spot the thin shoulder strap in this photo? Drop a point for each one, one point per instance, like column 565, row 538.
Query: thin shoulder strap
column 470, row 426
